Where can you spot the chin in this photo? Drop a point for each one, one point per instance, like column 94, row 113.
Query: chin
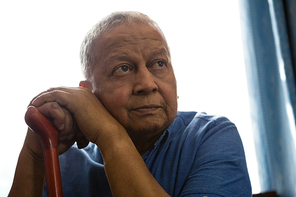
column 148, row 125
column 150, row 128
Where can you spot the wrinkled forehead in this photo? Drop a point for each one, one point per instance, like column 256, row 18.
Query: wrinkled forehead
column 137, row 33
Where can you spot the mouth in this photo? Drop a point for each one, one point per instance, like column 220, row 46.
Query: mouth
column 147, row 108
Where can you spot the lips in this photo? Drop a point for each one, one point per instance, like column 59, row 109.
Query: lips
column 146, row 108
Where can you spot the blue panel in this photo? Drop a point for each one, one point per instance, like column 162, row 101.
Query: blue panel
column 290, row 8
column 269, row 94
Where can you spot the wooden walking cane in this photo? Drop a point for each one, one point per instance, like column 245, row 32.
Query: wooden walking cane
column 48, row 137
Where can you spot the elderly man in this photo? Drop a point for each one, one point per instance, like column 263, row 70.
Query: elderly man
column 127, row 108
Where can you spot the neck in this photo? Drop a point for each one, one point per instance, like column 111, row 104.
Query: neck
column 144, row 143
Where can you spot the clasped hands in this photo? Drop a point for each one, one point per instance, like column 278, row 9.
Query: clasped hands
column 77, row 113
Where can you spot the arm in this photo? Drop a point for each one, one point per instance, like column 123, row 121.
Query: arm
column 101, row 128
column 134, row 179
column 29, row 174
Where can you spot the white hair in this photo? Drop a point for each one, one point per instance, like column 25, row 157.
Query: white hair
column 87, row 57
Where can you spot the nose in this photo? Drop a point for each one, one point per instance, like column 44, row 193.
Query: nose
column 144, row 82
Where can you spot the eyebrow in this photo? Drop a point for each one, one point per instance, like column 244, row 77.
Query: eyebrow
column 126, row 57
column 162, row 51
column 112, row 58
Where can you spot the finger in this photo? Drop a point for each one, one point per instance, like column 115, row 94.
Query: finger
column 62, row 95
column 37, row 97
column 52, row 95
column 67, row 136
column 70, row 128
column 54, row 111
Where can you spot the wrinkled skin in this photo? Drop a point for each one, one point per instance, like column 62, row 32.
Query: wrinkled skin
column 133, row 79
column 123, row 108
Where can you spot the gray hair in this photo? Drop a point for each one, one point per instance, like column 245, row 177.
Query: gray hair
column 87, row 57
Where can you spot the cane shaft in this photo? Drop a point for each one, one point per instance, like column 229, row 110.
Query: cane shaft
column 48, row 137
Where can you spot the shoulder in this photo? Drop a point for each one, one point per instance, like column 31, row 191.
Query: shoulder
column 200, row 124
column 199, row 117
column 211, row 149
column 205, row 134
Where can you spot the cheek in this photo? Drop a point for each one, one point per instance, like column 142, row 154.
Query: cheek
column 169, row 93
column 173, row 95
column 115, row 101
column 110, row 94
column 171, row 88
column 172, row 103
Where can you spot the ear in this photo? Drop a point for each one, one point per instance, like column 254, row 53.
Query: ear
column 86, row 84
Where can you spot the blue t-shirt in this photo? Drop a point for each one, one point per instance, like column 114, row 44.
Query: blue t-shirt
column 198, row 155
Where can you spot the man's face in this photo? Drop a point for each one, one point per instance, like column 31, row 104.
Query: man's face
column 134, row 79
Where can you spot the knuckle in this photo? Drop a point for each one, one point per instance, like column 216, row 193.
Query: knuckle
column 54, row 105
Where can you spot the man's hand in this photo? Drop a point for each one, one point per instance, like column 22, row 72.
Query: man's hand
column 77, row 113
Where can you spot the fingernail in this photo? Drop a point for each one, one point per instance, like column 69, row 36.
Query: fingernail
column 62, row 127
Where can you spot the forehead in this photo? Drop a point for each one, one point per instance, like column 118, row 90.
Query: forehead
column 135, row 37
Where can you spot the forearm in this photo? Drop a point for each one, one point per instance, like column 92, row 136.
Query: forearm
column 29, row 175
column 126, row 171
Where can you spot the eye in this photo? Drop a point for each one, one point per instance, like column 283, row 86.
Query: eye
column 159, row 64
column 121, row 70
